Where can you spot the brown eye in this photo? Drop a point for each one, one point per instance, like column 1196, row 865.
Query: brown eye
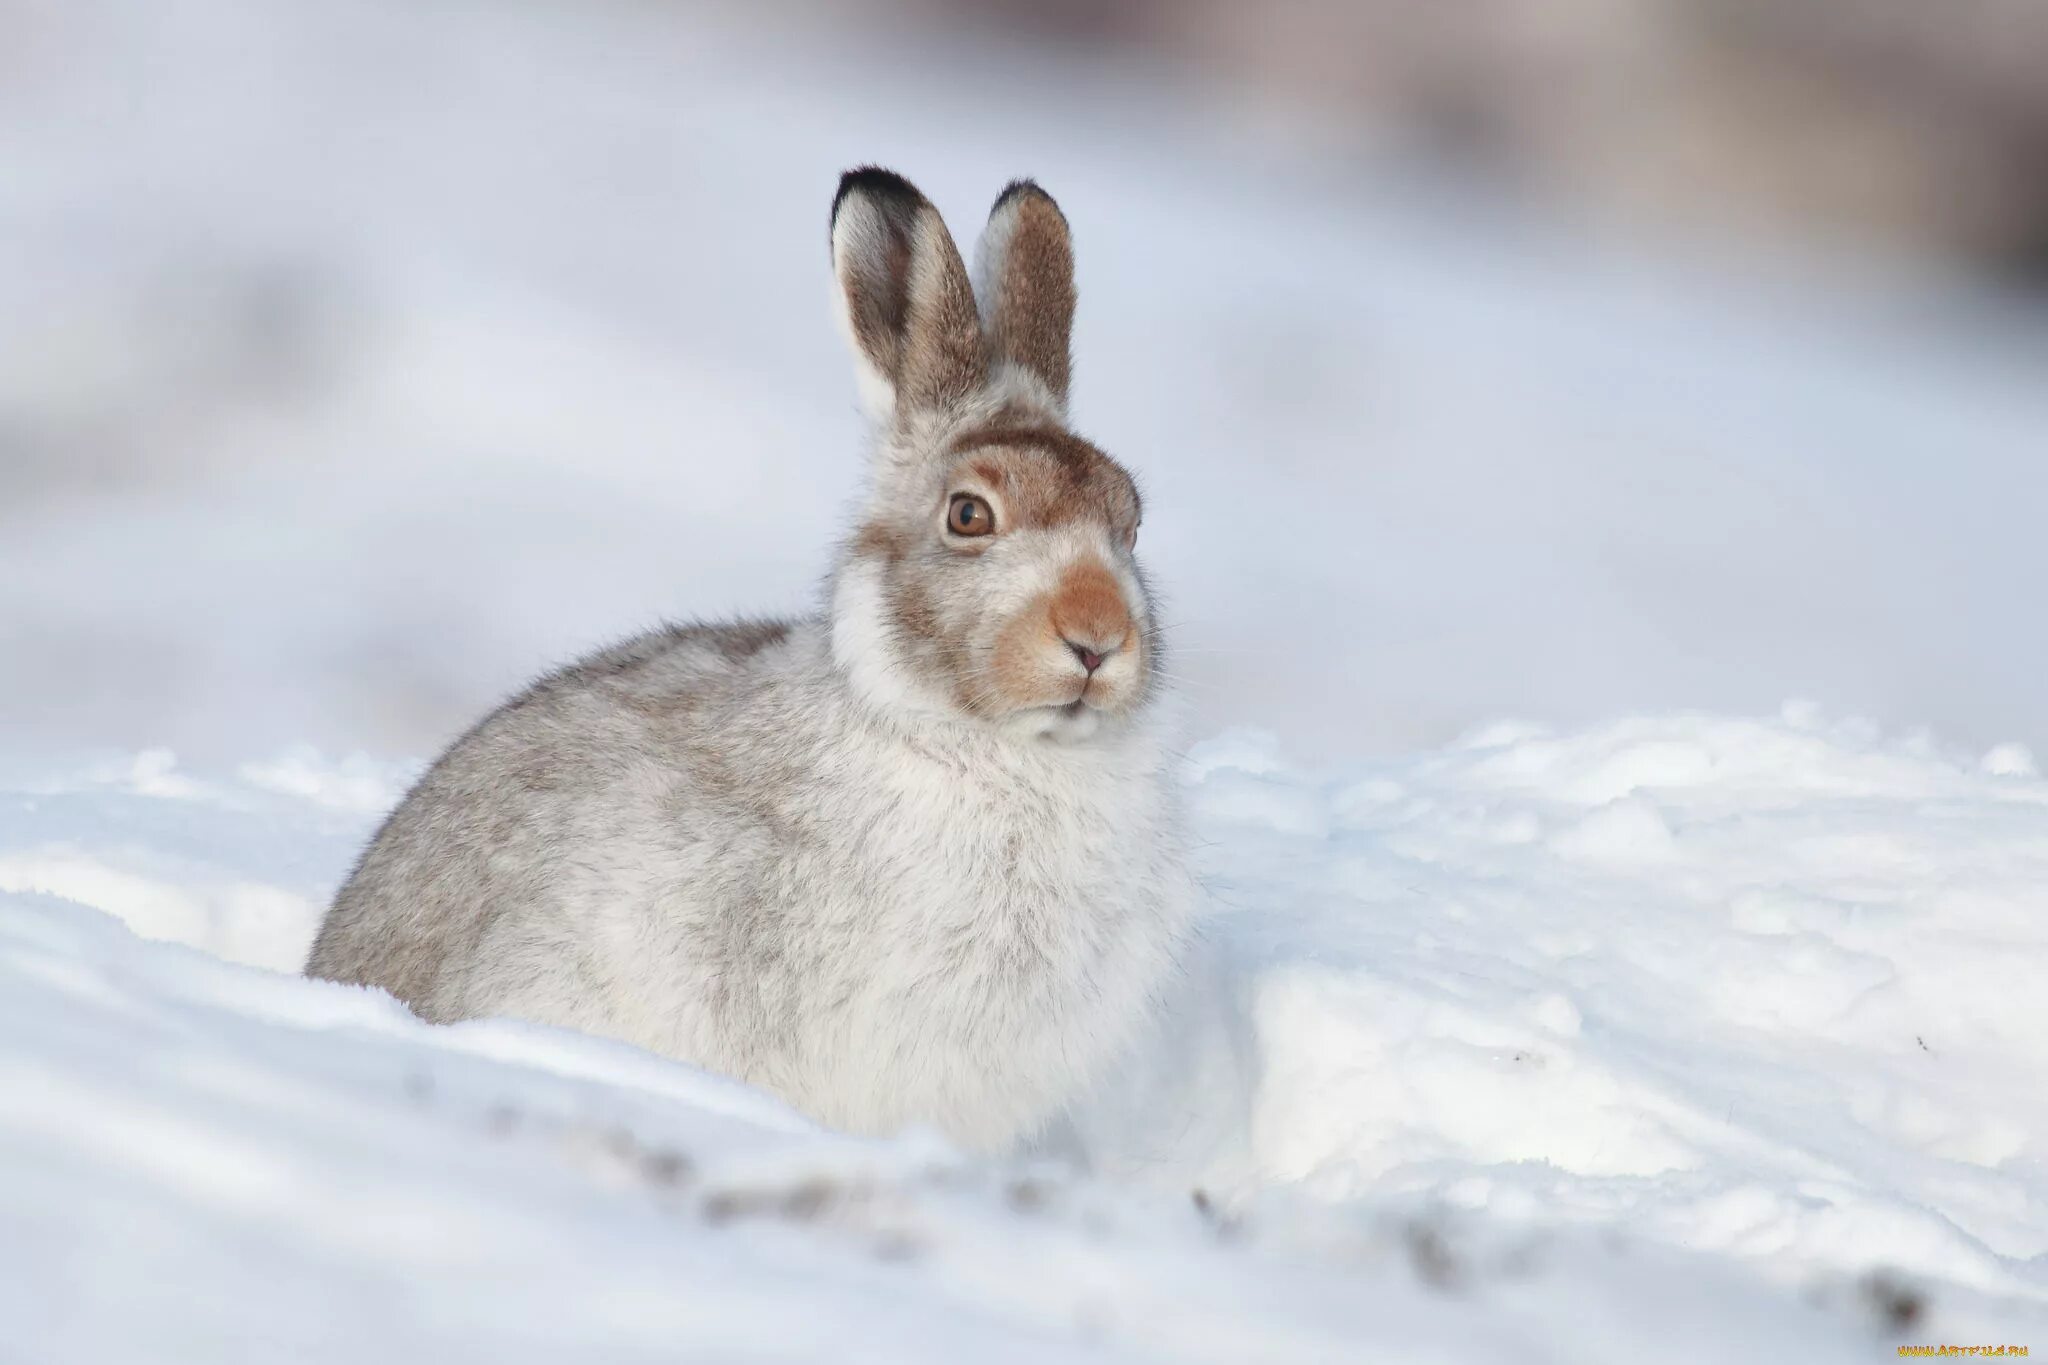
column 969, row 516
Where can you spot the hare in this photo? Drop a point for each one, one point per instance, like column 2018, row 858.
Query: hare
column 912, row 859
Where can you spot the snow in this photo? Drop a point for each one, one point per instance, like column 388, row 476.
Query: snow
column 360, row 359
column 1685, row 1035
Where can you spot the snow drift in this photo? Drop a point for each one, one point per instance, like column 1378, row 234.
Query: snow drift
column 1681, row 1036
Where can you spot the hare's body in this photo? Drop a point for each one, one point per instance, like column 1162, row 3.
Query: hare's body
column 913, row 859
column 699, row 843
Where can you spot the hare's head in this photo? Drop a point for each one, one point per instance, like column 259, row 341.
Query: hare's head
column 993, row 574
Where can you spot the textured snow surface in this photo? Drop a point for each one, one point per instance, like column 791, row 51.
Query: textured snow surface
column 1680, row 1038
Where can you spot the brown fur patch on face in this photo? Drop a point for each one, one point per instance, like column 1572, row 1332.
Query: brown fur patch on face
column 1033, row 665
column 1088, row 608
column 1027, row 667
column 909, row 612
column 1048, row 477
column 910, row 606
column 876, row 541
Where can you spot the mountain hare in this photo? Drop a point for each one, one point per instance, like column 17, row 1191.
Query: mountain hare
column 912, row 859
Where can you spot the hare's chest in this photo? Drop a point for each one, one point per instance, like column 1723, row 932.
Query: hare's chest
column 1018, row 875
column 973, row 950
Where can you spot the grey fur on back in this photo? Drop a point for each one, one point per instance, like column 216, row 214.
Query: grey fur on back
column 449, row 846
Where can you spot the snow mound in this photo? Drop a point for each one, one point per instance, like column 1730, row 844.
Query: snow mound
column 1691, row 1036
column 1765, row 988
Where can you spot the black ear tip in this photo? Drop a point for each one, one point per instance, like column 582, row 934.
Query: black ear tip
column 877, row 181
column 1017, row 189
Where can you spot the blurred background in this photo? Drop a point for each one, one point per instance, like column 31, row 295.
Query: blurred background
column 1532, row 358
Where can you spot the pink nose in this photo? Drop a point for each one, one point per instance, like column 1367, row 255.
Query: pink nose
column 1090, row 660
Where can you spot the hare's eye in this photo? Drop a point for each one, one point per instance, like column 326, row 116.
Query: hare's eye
column 969, row 516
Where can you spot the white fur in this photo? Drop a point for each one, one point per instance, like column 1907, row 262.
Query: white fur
column 852, row 231
column 945, row 923
column 991, row 253
column 874, row 669
column 1020, row 385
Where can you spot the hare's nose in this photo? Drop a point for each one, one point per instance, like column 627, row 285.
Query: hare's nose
column 1091, row 659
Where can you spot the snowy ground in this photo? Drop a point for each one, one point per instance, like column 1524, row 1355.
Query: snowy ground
column 1684, row 1038
column 360, row 358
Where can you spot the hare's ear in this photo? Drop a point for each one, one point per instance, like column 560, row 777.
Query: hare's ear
column 904, row 297
column 1024, row 273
